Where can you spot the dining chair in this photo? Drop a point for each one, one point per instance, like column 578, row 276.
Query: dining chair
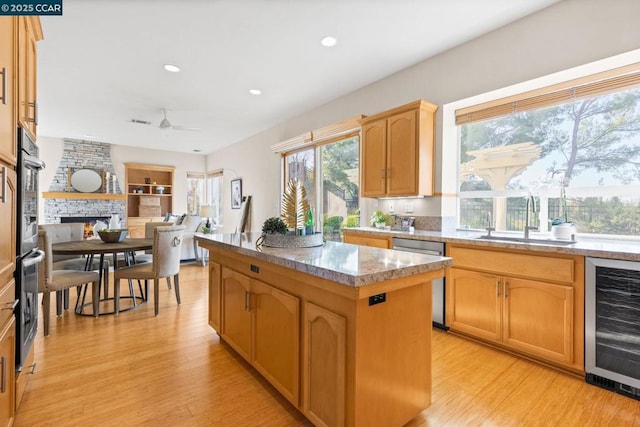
column 148, row 234
column 167, row 242
column 69, row 232
column 50, row 279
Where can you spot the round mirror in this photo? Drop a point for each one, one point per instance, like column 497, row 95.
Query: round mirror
column 86, row 180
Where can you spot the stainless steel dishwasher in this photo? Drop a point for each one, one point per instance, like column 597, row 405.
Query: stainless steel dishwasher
column 439, row 290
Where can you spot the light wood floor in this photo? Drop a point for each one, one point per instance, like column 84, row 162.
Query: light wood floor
column 137, row 369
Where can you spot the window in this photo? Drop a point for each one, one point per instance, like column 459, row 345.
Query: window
column 581, row 139
column 214, row 196
column 195, row 192
column 330, row 174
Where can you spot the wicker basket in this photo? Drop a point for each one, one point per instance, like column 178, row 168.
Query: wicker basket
column 149, row 210
column 293, row 241
column 149, row 201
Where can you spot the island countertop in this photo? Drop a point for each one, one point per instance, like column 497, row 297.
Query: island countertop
column 343, row 263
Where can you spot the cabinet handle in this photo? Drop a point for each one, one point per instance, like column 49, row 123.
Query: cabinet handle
column 246, row 301
column 35, row 113
column 13, row 306
column 381, row 173
column 497, row 288
column 5, row 88
column 3, row 383
column 3, row 171
column 33, row 369
column 506, row 293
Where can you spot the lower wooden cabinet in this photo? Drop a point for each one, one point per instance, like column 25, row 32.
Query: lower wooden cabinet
column 324, row 365
column 214, row 295
column 7, row 372
column 540, row 316
column 376, row 242
column 135, row 224
column 262, row 324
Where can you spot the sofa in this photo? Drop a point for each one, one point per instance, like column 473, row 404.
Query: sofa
column 194, row 224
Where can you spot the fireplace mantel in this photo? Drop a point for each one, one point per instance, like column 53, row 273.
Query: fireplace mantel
column 82, row 196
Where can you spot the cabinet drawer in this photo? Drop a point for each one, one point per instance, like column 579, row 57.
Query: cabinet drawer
column 7, row 298
column 376, row 242
column 533, row 266
column 27, row 371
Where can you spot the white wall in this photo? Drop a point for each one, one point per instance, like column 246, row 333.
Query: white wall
column 564, row 35
column 51, row 152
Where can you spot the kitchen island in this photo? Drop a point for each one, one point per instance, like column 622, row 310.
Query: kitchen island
column 342, row 331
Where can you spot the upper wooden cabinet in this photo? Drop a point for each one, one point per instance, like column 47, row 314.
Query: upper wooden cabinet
column 398, row 151
column 8, row 44
column 29, row 33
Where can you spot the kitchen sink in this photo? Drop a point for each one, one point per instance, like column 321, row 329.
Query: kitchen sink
column 529, row 240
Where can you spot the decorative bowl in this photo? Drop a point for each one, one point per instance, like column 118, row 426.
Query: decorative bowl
column 113, row 235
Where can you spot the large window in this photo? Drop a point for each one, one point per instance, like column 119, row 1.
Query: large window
column 330, row 173
column 581, row 142
column 195, row 192
column 214, row 196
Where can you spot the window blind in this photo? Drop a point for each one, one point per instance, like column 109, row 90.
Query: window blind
column 596, row 84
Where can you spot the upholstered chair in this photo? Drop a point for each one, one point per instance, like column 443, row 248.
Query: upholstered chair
column 148, row 234
column 69, row 232
column 167, row 242
column 50, row 279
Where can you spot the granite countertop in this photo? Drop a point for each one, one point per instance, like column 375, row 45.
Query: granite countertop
column 623, row 249
column 347, row 264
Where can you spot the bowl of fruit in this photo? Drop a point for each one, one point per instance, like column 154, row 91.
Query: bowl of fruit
column 113, row 235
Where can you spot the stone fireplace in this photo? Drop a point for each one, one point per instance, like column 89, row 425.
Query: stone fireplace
column 64, row 202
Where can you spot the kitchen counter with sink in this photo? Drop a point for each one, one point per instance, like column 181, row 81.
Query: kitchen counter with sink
column 613, row 248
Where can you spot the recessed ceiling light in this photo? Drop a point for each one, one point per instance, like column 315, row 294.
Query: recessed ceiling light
column 328, row 41
column 255, row 91
column 172, row 68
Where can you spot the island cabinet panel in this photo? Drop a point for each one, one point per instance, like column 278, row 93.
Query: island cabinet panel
column 236, row 317
column 514, row 308
column 214, row 295
column 324, row 366
column 262, row 324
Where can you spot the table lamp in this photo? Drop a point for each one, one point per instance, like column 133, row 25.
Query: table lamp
column 205, row 212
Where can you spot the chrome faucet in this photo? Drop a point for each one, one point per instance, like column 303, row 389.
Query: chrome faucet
column 490, row 227
column 531, row 206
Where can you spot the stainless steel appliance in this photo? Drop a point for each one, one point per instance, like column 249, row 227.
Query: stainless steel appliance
column 28, row 254
column 439, row 288
column 612, row 325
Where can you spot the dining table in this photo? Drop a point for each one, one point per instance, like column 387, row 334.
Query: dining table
column 89, row 248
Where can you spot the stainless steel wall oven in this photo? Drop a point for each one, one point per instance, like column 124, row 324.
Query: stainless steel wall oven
column 612, row 325
column 27, row 252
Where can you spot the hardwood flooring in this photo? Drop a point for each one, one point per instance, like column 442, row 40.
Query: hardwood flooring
column 140, row 370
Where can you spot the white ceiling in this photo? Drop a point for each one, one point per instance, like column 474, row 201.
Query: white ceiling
column 101, row 63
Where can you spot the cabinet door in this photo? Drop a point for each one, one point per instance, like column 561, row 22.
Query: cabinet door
column 276, row 344
column 27, row 109
column 367, row 241
column 7, row 223
column 7, row 372
column 214, row 295
column 324, row 373
column 236, row 317
column 8, row 144
column 474, row 303
column 374, row 159
column 538, row 318
column 402, row 151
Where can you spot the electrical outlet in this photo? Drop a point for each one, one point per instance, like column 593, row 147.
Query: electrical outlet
column 408, row 207
column 391, row 208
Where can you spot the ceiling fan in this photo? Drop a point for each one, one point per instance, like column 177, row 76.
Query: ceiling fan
column 164, row 124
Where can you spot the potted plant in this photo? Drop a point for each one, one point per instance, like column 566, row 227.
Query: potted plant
column 561, row 227
column 379, row 219
column 274, row 225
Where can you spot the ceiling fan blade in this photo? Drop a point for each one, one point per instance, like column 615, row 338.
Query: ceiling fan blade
column 139, row 122
column 185, row 128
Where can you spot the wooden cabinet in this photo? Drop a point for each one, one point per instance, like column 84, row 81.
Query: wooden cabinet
column 29, row 33
column 530, row 302
column 262, row 324
column 398, row 151
column 214, row 295
column 144, row 183
column 8, row 116
column 324, row 365
column 7, row 372
column 8, row 212
column 359, row 239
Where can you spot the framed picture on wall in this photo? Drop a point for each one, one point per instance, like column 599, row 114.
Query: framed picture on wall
column 236, row 193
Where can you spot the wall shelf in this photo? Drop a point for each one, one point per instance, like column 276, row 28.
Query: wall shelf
column 82, row 196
